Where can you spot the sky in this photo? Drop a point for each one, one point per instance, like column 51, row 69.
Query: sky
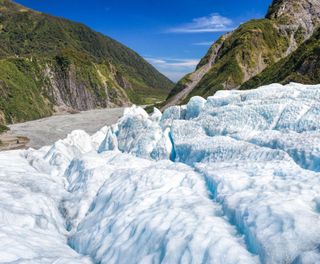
column 173, row 35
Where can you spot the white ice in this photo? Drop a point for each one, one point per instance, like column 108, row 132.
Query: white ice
column 231, row 179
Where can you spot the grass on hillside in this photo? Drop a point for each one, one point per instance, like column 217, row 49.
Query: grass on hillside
column 21, row 97
column 36, row 34
column 3, row 128
column 302, row 66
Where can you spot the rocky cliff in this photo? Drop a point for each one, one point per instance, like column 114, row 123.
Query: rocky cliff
column 49, row 63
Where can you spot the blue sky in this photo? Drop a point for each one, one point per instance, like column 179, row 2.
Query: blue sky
column 171, row 34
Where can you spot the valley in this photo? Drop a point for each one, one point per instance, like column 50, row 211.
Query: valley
column 105, row 160
column 48, row 63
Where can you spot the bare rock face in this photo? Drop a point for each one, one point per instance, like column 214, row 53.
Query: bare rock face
column 296, row 18
column 303, row 14
column 67, row 91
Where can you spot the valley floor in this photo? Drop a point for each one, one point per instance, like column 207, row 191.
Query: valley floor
column 48, row 130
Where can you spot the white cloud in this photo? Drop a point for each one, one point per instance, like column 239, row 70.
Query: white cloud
column 211, row 23
column 206, row 43
column 173, row 68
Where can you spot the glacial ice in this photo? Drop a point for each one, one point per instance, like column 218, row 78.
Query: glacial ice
column 140, row 135
column 231, row 179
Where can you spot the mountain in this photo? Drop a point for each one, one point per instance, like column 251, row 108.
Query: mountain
column 302, row 66
column 49, row 63
column 242, row 54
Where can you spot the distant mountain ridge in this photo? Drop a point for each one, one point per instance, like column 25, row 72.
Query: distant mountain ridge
column 255, row 45
column 49, row 63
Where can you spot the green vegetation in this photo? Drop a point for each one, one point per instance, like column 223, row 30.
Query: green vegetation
column 21, row 97
column 301, row 66
column 180, row 85
column 98, row 67
column 273, row 8
column 31, row 33
column 253, row 45
column 3, row 128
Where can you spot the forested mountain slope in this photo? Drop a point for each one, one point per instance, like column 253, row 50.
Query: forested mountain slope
column 48, row 62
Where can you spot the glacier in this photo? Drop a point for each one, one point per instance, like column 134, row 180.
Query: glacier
column 231, row 179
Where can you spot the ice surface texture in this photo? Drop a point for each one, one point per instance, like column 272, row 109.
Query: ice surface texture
column 231, row 179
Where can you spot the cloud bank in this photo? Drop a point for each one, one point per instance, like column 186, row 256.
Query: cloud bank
column 211, row 23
